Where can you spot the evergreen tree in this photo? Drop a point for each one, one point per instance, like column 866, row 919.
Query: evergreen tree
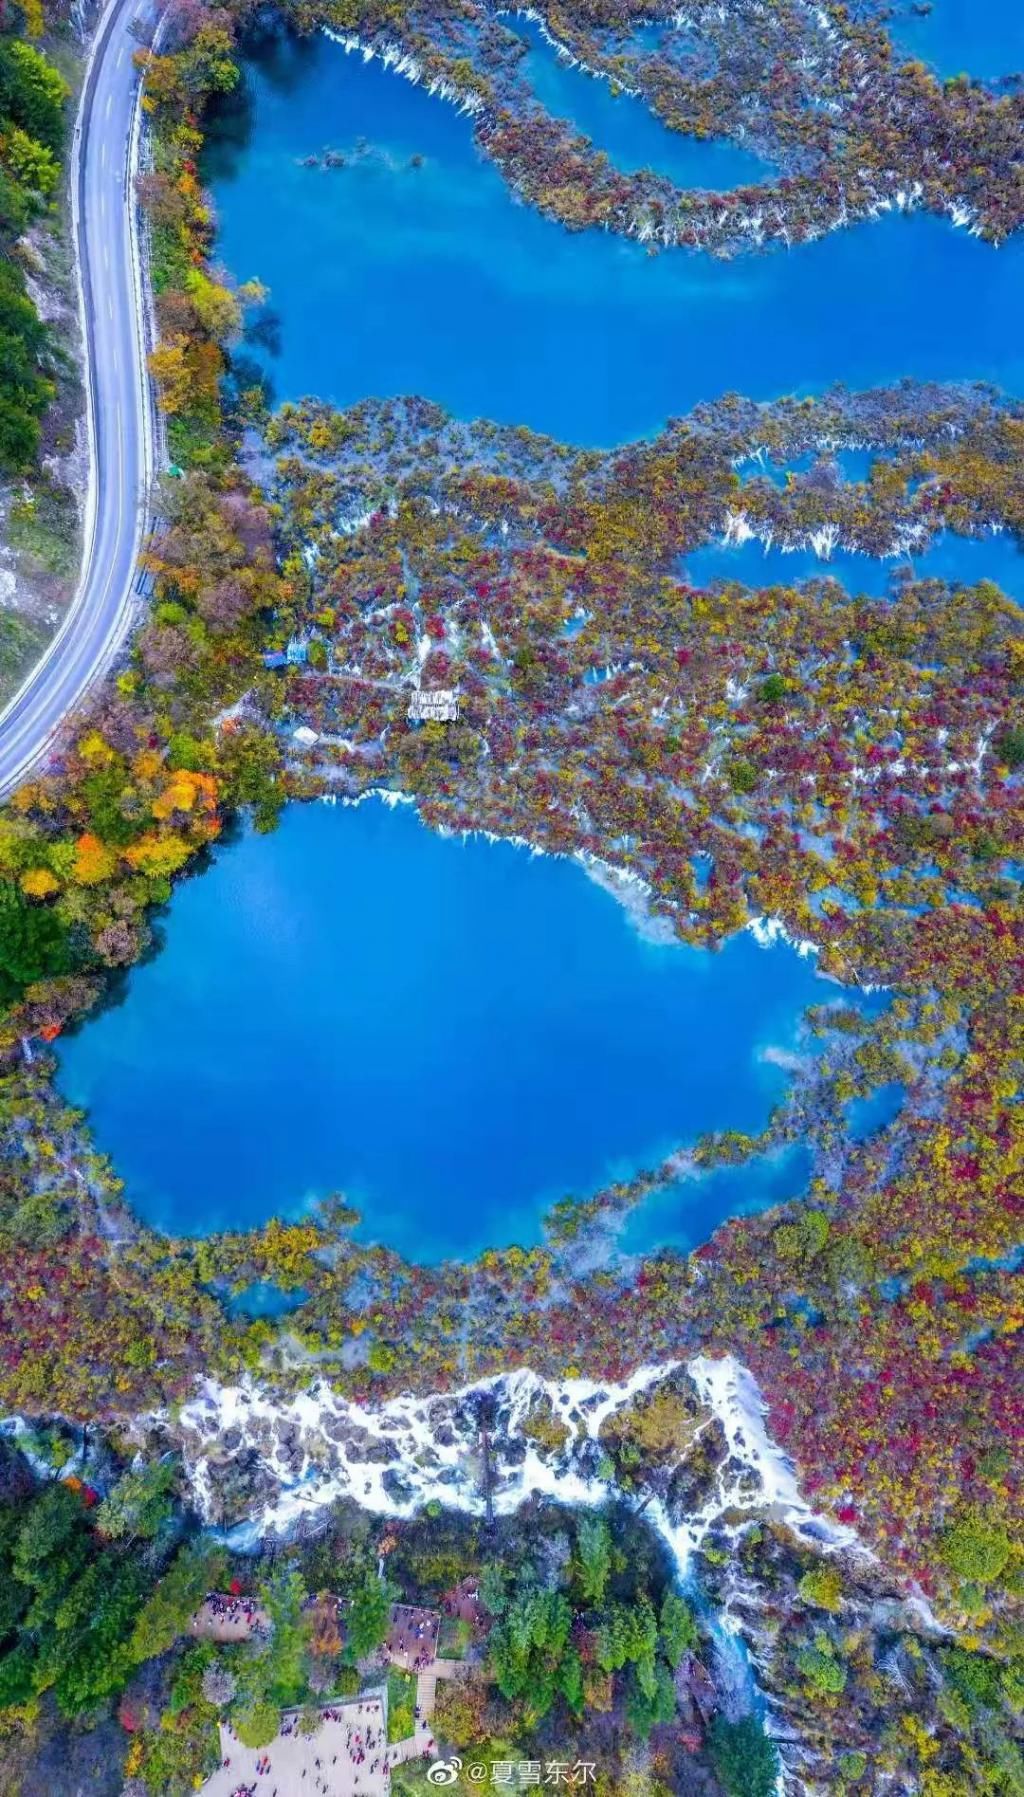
column 594, row 1558
column 744, row 1759
column 33, row 940
column 677, row 1629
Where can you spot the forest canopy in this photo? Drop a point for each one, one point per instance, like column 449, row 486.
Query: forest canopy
column 33, row 96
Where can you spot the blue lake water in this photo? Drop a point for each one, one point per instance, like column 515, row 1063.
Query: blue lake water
column 392, row 279
column 264, row 1301
column 853, row 465
column 983, row 38
column 676, row 1216
column 961, row 560
column 868, row 1115
column 623, row 126
column 453, row 1033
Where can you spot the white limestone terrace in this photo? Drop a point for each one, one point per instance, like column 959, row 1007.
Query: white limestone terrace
column 302, row 1454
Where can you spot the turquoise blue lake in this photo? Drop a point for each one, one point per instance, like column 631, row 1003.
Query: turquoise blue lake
column 264, row 1301
column 622, row 125
column 392, row 279
column 961, row 560
column 453, row 1033
column 983, row 38
column 675, row 1217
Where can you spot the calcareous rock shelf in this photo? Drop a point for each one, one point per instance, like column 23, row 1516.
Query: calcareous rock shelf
column 259, row 1466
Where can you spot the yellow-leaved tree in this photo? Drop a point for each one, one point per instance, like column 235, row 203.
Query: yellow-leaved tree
column 93, row 862
column 158, row 855
column 39, row 883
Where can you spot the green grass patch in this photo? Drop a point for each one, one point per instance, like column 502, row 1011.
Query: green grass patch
column 401, row 1705
column 21, row 644
column 44, row 529
column 456, row 1638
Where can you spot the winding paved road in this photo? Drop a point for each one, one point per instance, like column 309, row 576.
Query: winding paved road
column 120, row 416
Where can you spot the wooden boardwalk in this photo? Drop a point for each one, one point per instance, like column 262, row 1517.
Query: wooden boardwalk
column 227, row 1619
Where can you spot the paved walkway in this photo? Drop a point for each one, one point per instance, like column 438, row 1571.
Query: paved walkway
column 426, row 1684
column 426, row 1699
column 414, row 1746
column 426, row 1692
column 347, row 1757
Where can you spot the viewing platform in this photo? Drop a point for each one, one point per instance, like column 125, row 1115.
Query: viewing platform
column 433, row 705
column 347, row 1754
